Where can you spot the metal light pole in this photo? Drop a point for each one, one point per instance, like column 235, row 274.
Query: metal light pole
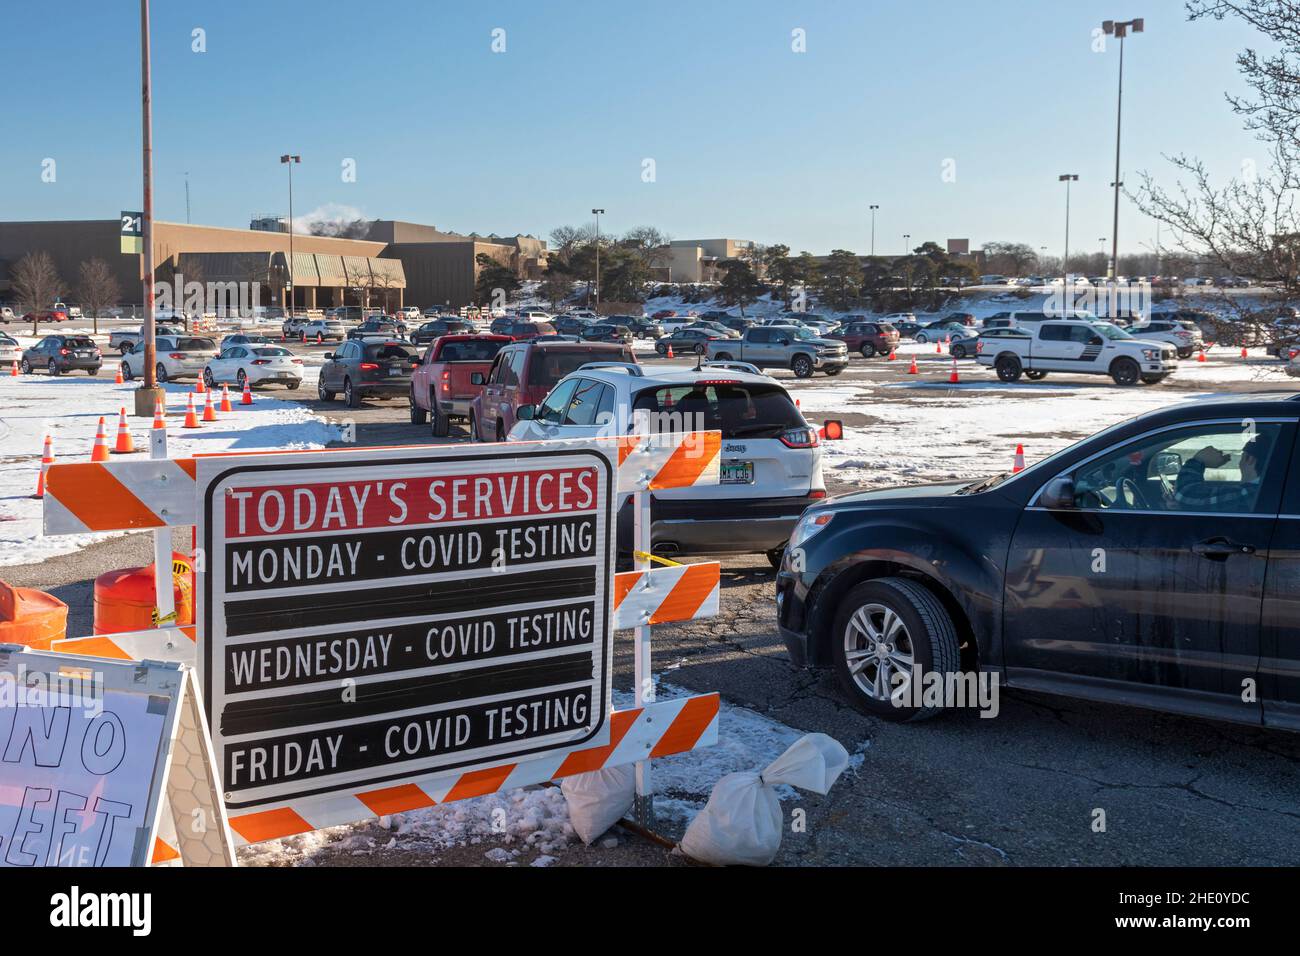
column 1067, row 178
column 149, row 393
column 1120, row 29
column 187, row 197
column 597, row 213
column 906, row 237
column 873, row 230
column 290, row 160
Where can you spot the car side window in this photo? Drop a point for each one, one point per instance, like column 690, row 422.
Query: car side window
column 760, row 336
column 1217, row 468
column 1055, row 333
column 499, row 363
column 552, row 408
column 585, row 404
column 1084, row 334
column 514, row 375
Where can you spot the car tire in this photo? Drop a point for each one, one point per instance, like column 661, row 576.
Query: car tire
column 959, row 351
column 723, row 357
column 418, row 415
column 127, row 376
column 323, row 393
column 1008, row 368
column 473, row 428
column 661, row 350
column 208, row 380
column 1185, row 353
column 916, row 632
column 868, row 350
column 1153, row 379
column 123, row 349
column 1035, row 375
column 440, row 422
column 802, row 366
column 160, row 374
column 25, row 366
column 351, row 397
column 291, row 386
column 1125, row 372
column 775, row 556
column 832, row 372
column 52, row 367
column 921, row 338
column 701, row 348
column 241, row 378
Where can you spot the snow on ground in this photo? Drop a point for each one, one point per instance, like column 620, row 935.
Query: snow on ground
column 68, row 408
column 925, row 429
column 537, row 818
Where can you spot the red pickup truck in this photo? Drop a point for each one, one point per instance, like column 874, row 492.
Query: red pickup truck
column 441, row 388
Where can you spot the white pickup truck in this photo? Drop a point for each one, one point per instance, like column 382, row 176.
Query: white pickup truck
column 126, row 340
column 1078, row 347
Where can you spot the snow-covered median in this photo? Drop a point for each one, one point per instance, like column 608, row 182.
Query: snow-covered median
column 68, row 409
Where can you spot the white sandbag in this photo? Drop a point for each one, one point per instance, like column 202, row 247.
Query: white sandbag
column 599, row 799
column 742, row 823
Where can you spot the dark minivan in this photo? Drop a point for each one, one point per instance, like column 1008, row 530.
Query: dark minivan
column 1155, row 564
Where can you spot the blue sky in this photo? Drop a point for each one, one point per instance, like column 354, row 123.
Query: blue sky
column 749, row 139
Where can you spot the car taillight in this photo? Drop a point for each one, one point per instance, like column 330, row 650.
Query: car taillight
column 177, row 355
column 261, row 361
column 802, row 437
column 817, row 493
column 368, row 366
column 296, row 361
column 63, row 351
column 446, row 380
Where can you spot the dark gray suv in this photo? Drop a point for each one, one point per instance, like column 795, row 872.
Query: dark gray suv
column 63, row 353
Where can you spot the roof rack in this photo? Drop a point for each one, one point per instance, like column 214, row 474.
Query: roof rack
column 745, row 367
column 632, row 368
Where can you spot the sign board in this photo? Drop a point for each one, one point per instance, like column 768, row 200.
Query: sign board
column 132, row 232
column 380, row 615
column 104, row 763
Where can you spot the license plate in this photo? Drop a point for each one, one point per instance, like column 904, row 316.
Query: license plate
column 736, row 473
column 396, row 371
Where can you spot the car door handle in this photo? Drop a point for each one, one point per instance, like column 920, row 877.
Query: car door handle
column 1219, row 549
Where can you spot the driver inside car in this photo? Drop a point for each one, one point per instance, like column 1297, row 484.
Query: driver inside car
column 1193, row 491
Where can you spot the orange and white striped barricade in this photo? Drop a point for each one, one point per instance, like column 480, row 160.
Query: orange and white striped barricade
column 380, row 629
column 123, row 745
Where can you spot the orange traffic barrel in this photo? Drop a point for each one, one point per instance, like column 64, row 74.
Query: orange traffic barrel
column 31, row 617
column 124, row 599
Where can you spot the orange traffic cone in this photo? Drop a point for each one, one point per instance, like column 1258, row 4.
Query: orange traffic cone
column 209, row 413
column 125, row 443
column 912, row 370
column 47, row 459
column 892, row 356
column 100, row 451
column 13, row 370
column 191, row 420
column 117, row 379
column 1200, row 357
column 200, row 388
column 225, row 399
column 159, row 415
column 247, row 398
column 1019, row 464
column 953, row 379
column 670, row 351
column 1244, row 353
column 938, row 349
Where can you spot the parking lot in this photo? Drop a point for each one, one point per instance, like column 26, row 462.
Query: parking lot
column 1022, row 789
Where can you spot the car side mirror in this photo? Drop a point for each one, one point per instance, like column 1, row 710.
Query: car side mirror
column 1058, row 494
column 526, row 413
column 329, row 356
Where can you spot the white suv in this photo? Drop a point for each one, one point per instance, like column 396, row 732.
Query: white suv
column 1180, row 333
column 321, row 330
column 181, row 356
column 771, row 462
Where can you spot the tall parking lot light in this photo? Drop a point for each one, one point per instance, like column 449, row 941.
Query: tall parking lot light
column 906, row 244
column 596, row 213
column 873, row 208
column 1119, row 29
column 290, row 160
column 1067, row 178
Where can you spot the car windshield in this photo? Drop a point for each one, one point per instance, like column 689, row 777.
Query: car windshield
column 271, row 352
column 802, row 333
column 196, row 345
column 476, row 350
column 387, row 352
column 549, row 365
column 1112, row 332
column 737, row 409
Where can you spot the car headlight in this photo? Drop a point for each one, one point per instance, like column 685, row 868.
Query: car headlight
column 1151, row 355
column 808, row 525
